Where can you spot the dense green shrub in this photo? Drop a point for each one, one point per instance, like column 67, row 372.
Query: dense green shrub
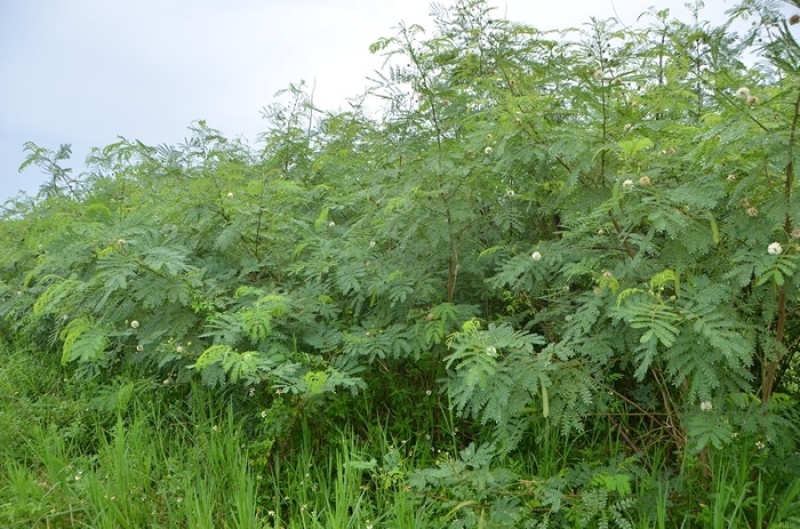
column 597, row 230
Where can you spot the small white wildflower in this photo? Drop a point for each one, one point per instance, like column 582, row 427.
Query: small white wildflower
column 627, row 184
column 706, row 406
column 760, row 445
column 331, row 224
column 775, row 248
column 645, row 181
column 428, row 392
column 166, row 382
column 139, row 348
column 134, row 324
column 179, row 349
column 731, row 178
column 796, row 233
column 752, row 212
column 230, row 195
column 743, row 92
column 491, row 351
column 752, row 100
column 251, row 392
column 264, row 414
column 215, row 428
column 372, row 244
column 510, row 193
column 488, row 150
column 536, row 256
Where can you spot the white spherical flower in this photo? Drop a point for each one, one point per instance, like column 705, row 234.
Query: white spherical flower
column 627, row 184
column 731, row 178
column 372, row 244
column 179, row 349
column 510, row 193
column 230, row 195
column 331, row 224
column 706, row 406
column 488, row 151
column 743, row 92
column 775, row 248
column 134, row 324
column 139, row 348
column 491, row 351
column 536, row 256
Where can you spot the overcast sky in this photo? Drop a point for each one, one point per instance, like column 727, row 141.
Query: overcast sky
column 87, row 71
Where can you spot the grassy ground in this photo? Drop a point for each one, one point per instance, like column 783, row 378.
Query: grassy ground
column 141, row 454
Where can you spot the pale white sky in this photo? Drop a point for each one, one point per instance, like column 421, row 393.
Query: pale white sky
column 87, row 71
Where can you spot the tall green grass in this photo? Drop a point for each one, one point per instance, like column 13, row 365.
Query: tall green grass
column 139, row 454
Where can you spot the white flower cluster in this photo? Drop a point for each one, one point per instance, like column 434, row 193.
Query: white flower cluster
column 775, row 248
column 744, row 93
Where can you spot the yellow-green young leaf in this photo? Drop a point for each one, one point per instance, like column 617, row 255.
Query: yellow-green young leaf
column 635, row 145
column 661, row 279
column 316, row 380
column 625, row 294
column 471, row 325
column 322, row 219
column 545, row 399
column 489, row 251
column 51, row 298
column 211, row 355
column 714, row 228
column 84, row 341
